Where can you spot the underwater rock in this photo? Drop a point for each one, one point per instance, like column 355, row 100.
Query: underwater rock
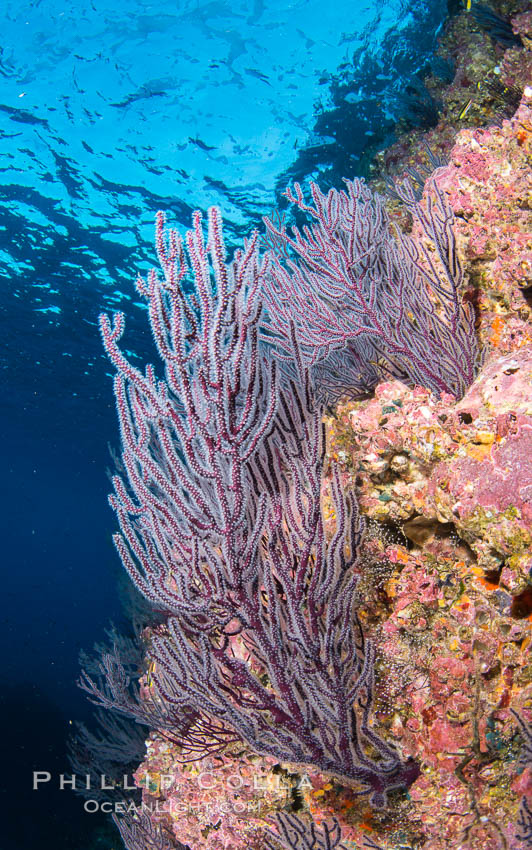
column 451, row 612
column 490, row 186
column 215, row 803
column 485, row 486
column 469, row 464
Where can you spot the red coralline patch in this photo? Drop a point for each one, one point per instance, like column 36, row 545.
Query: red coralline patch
column 447, row 737
column 473, row 162
column 503, row 478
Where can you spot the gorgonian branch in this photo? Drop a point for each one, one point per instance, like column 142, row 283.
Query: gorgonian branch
column 222, row 529
column 379, row 302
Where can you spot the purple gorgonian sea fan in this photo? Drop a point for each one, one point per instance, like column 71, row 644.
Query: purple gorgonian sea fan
column 222, row 529
column 372, row 302
column 294, row 833
column 524, row 818
column 139, row 832
column 187, row 530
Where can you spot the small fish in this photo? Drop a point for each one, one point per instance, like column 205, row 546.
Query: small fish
column 151, row 671
column 201, row 144
column 465, row 110
column 467, row 4
column 143, row 93
column 258, row 74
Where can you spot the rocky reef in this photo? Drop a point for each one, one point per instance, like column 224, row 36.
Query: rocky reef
column 447, row 590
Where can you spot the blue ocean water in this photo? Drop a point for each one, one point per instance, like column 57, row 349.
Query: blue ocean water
column 110, row 111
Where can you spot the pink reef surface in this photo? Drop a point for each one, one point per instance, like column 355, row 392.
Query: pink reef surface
column 448, row 598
